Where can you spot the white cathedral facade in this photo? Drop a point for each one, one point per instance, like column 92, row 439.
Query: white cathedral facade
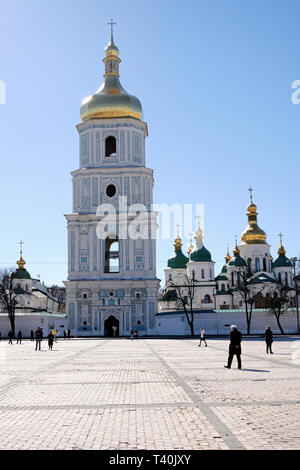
column 112, row 285
column 217, row 301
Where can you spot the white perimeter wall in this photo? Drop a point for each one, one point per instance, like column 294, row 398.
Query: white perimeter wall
column 28, row 323
column 214, row 323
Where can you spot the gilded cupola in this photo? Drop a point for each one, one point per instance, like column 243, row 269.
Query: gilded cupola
column 253, row 233
column 111, row 100
column 178, row 260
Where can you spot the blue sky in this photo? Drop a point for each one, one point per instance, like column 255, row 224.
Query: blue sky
column 214, row 79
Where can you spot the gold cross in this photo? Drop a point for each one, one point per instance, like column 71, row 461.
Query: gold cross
column 250, row 191
column 21, row 243
column 111, row 27
column 280, row 236
column 198, row 217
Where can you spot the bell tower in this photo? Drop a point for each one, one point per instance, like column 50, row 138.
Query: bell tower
column 112, row 284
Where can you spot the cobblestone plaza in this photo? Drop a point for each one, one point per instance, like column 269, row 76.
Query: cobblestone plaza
column 149, row 394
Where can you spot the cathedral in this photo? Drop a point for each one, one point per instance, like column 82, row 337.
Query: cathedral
column 112, row 285
column 217, row 299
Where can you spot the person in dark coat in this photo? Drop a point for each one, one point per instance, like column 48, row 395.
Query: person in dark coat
column 50, row 340
column 20, row 337
column 136, row 334
column 269, row 339
column 32, row 335
column 38, row 338
column 65, row 334
column 69, row 333
column 10, row 337
column 235, row 347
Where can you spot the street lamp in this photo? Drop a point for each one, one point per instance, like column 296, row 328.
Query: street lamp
column 294, row 261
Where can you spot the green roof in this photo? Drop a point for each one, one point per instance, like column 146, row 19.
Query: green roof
column 21, row 273
column 261, row 279
column 178, row 260
column 237, row 261
column 282, row 262
column 168, row 296
column 201, row 254
column 221, row 278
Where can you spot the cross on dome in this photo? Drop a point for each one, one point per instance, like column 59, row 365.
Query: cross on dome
column 111, row 24
column 251, row 191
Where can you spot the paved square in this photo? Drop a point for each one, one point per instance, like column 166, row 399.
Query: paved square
column 149, row 394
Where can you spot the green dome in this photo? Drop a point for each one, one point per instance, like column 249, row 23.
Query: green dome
column 237, row 261
column 21, row 273
column 178, row 260
column 224, row 269
column 282, row 262
column 201, row 254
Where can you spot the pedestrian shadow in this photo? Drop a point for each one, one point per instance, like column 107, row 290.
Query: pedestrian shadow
column 255, row 370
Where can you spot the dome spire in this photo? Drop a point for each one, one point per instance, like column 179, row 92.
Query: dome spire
column 281, row 250
column 236, row 250
column 227, row 257
column 198, row 233
column 111, row 24
column 253, row 233
column 111, row 100
column 177, row 241
column 21, row 262
column 191, row 246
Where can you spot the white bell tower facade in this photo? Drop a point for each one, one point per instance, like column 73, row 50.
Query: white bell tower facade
column 112, row 285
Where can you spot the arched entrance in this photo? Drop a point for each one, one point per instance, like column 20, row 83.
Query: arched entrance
column 111, row 326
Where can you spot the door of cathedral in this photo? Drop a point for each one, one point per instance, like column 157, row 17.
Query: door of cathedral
column 111, row 326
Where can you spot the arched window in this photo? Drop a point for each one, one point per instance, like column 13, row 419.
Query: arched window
column 223, row 287
column 286, row 279
column 202, row 274
column 249, row 265
column 207, row 299
column 110, row 147
column 232, row 279
column 238, row 278
column 210, row 273
column 279, row 278
column 112, row 264
column 170, row 277
column 103, row 301
column 264, row 264
column 257, row 264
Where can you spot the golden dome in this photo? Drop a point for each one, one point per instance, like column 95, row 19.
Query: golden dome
column 227, row 257
column 253, row 234
column 111, row 100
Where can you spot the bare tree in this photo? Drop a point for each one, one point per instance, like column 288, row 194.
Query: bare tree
column 185, row 293
column 59, row 293
column 280, row 301
column 8, row 296
column 249, row 294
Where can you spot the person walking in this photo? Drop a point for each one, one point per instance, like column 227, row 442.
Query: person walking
column 38, row 338
column 20, row 337
column 10, row 337
column 32, row 335
column 202, row 337
column 69, row 333
column 269, row 339
column 131, row 334
column 235, row 347
column 65, row 334
column 50, row 340
column 136, row 334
